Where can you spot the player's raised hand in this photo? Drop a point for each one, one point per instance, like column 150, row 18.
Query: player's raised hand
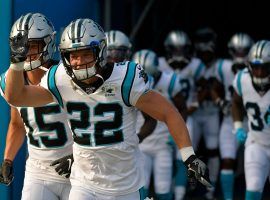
column 63, row 165
column 197, row 171
column 6, row 172
column 19, row 46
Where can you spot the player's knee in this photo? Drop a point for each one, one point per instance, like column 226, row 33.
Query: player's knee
column 255, row 183
column 163, row 187
column 227, row 163
column 211, row 153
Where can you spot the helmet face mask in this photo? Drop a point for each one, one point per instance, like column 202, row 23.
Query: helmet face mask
column 178, row 48
column 148, row 60
column 260, row 76
column 239, row 52
column 259, row 65
column 206, row 51
column 239, row 46
column 39, row 30
column 119, row 46
column 88, row 37
column 238, row 66
column 85, row 68
column 118, row 54
column 205, row 44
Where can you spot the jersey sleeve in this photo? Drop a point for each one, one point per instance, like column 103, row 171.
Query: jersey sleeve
column 237, row 82
column 175, row 85
column 135, row 84
column 199, row 70
column 219, row 71
column 3, row 83
column 48, row 81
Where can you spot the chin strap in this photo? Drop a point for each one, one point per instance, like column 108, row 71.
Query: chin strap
column 84, row 88
column 99, row 76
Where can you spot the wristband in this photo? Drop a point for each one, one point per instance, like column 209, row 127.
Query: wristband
column 17, row 66
column 10, row 162
column 186, row 152
column 237, row 124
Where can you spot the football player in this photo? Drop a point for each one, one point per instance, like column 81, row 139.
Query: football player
column 118, row 46
column 48, row 135
column 100, row 100
column 180, row 59
column 119, row 50
column 252, row 96
column 239, row 45
column 206, row 117
column 157, row 152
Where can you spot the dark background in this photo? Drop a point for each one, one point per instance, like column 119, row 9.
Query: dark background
column 226, row 17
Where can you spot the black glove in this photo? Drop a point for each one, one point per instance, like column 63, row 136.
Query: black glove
column 6, row 172
column 197, row 171
column 19, row 46
column 224, row 105
column 64, row 164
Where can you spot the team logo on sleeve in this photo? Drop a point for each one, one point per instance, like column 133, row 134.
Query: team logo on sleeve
column 109, row 90
column 142, row 73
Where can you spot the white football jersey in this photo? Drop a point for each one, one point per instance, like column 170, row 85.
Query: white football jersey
column 225, row 76
column 194, row 69
column 208, row 107
column 256, row 106
column 168, row 85
column 106, row 155
column 190, row 74
column 163, row 65
column 48, row 137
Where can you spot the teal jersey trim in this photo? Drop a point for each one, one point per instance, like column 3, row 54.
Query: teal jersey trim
column 220, row 70
column 128, row 82
column 142, row 193
column 151, row 81
column 198, row 70
column 171, row 86
column 52, row 85
column 239, row 86
column 3, row 83
column 251, row 195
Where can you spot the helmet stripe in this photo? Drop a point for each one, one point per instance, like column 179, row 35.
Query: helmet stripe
column 140, row 57
column 263, row 45
column 114, row 35
column 145, row 57
column 108, row 37
column 79, row 28
column 27, row 20
column 73, row 31
column 240, row 39
column 257, row 48
column 21, row 21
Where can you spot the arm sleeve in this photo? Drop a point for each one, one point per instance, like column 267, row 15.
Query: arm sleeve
column 219, row 71
column 237, row 85
column 199, row 70
column 48, row 81
column 3, row 83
